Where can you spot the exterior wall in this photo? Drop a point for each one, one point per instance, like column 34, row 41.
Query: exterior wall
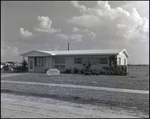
column 38, row 68
column 122, row 56
column 49, row 62
column 69, row 62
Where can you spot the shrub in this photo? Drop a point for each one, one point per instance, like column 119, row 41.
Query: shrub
column 95, row 72
column 87, row 64
column 75, row 70
column 46, row 69
column 112, row 73
column 108, row 73
column 125, row 73
column 121, row 73
column 101, row 71
column 125, row 69
column 87, row 72
column 90, row 70
column 82, row 71
column 68, row 71
column 105, row 68
column 18, row 68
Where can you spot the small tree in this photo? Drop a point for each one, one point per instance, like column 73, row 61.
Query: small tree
column 24, row 64
column 113, row 61
column 87, row 65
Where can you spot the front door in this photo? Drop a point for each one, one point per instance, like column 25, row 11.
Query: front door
column 31, row 64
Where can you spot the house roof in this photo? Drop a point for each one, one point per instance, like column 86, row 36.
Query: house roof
column 80, row 52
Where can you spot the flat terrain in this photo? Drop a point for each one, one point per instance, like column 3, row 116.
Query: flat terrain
column 23, row 106
column 138, row 79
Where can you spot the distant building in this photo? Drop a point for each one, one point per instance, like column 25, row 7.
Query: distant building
column 38, row 60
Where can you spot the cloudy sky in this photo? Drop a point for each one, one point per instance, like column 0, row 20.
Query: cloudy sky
column 51, row 25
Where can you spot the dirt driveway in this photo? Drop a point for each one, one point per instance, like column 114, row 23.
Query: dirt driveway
column 20, row 106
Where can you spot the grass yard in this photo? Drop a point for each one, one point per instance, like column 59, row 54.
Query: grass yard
column 138, row 78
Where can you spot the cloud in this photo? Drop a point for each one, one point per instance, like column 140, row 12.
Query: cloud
column 11, row 51
column 86, row 32
column 50, row 47
column 15, row 51
column 85, row 20
column 45, row 25
column 82, row 8
column 47, row 47
column 62, row 36
column 75, row 29
column 111, row 23
column 25, row 33
column 144, row 12
column 92, row 34
column 77, row 37
column 55, row 46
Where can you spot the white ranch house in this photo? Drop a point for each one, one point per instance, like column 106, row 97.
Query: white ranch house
column 39, row 60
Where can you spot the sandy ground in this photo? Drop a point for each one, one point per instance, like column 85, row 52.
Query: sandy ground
column 15, row 106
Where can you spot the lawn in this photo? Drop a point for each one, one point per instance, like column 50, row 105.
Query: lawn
column 138, row 78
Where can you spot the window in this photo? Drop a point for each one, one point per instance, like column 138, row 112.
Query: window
column 119, row 61
column 57, row 66
column 62, row 66
column 77, row 60
column 59, row 60
column 59, row 63
column 103, row 60
column 124, row 61
column 38, row 61
column 31, row 64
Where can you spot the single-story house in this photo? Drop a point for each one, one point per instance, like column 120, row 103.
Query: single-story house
column 39, row 60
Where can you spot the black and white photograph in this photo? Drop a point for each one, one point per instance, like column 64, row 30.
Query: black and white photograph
column 74, row 59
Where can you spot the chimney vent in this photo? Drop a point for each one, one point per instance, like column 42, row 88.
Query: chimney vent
column 68, row 46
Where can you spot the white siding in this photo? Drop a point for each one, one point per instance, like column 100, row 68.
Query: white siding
column 122, row 56
column 69, row 62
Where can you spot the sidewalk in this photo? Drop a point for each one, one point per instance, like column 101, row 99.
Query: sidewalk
column 83, row 87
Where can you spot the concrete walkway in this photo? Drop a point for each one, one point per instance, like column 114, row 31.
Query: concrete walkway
column 83, row 87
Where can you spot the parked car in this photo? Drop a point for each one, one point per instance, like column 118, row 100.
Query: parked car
column 5, row 67
column 2, row 64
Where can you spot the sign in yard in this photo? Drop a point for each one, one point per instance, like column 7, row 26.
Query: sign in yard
column 53, row 72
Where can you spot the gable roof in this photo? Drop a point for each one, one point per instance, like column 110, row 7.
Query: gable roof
column 80, row 52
